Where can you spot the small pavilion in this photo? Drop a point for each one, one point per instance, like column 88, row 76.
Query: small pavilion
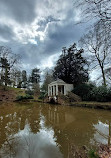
column 59, row 87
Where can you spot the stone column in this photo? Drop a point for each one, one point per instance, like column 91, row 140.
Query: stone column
column 53, row 90
column 48, row 91
column 64, row 89
column 56, row 89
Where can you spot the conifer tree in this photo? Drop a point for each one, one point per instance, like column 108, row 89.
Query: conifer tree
column 72, row 67
column 24, row 79
column 5, row 75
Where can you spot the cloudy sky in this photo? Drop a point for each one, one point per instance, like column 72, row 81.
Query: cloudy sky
column 37, row 30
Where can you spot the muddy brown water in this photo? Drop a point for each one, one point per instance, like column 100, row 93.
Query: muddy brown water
column 48, row 131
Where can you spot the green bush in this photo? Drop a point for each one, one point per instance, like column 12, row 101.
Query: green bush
column 20, row 98
column 89, row 92
column 83, row 90
column 29, row 92
column 99, row 94
column 29, row 96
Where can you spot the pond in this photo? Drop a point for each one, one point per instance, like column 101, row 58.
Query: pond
column 48, row 131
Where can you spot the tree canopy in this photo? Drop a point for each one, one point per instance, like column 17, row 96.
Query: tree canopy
column 97, row 45
column 48, row 79
column 35, row 76
column 72, row 67
column 8, row 62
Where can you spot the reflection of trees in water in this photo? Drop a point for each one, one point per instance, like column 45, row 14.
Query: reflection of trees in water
column 103, row 132
column 30, row 145
column 9, row 148
column 14, row 146
column 27, row 146
column 13, row 119
column 74, row 125
column 70, row 125
column 103, row 127
column 22, row 145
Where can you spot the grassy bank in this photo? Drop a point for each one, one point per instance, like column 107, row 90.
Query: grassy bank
column 10, row 93
column 94, row 105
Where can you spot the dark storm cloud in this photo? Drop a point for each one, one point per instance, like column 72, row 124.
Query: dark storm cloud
column 6, row 32
column 54, row 19
column 30, row 54
column 61, row 35
column 23, row 11
column 58, row 34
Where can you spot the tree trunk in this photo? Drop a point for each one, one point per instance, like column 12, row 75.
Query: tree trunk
column 103, row 76
column 6, row 71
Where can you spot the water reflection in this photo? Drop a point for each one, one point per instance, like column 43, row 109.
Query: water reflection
column 50, row 131
column 14, row 119
column 27, row 144
column 76, row 126
column 103, row 132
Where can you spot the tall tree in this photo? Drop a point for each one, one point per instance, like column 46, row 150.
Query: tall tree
column 34, row 80
column 48, row 79
column 98, row 9
column 14, row 77
column 107, row 72
column 24, row 79
column 98, row 40
column 19, row 79
column 96, row 44
column 36, row 88
column 5, row 75
column 35, row 75
column 8, row 61
column 71, row 67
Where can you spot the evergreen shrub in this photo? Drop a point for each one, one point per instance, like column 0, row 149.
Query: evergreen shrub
column 29, row 92
column 20, row 98
column 90, row 92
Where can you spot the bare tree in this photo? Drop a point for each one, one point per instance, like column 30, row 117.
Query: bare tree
column 108, row 75
column 97, row 40
column 8, row 60
column 96, row 43
column 98, row 12
column 98, row 9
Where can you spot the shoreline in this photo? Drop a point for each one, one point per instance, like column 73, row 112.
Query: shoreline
column 93, row 105
column 84, row 104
